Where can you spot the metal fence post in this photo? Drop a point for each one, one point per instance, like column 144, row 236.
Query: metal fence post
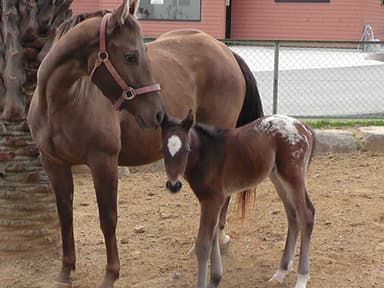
column 276, row 77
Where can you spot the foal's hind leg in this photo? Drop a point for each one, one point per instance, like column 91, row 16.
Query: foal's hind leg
column 60, row 177
column 286, row 262
column 224, row 238
column 104, row 173
column 305, row 213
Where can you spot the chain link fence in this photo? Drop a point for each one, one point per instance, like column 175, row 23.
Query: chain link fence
column 316, row 79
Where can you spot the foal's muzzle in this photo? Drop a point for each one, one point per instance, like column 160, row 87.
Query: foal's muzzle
column 174, row 188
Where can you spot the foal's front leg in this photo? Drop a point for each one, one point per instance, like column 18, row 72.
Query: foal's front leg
column 209, row 217
column 105, row 179
column 60, row 177
column 216, row 264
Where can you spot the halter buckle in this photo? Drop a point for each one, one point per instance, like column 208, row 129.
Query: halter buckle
column 129, row 94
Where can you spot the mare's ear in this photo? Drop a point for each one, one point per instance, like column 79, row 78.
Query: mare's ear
column 122, row 13
column 133, row 7
column 188, row 121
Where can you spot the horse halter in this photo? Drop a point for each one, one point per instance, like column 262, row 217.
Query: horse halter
column 128, row 93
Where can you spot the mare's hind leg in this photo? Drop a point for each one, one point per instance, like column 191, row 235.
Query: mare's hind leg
column 209, row 218
column 224, row 238
column 104, row 173
column 60, row 177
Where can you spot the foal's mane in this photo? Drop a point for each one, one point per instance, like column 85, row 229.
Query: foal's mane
column 209, row 131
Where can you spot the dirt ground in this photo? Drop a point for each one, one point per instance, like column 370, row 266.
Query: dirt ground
column 347, row 247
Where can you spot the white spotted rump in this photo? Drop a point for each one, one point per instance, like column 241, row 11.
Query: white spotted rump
column 283, row 125
column 174, row 145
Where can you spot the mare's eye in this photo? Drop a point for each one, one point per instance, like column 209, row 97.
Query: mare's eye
column 131, row 58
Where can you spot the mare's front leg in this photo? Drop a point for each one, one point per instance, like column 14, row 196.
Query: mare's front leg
column 105, row 177
column 60, row 177
column 209, row 218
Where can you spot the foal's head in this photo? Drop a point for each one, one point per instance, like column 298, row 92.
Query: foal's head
column 176, row 141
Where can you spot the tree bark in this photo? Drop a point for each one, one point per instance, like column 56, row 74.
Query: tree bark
column 28, row 218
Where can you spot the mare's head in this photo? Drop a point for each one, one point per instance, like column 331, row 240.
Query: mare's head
column 176, row 143
column 128, row 83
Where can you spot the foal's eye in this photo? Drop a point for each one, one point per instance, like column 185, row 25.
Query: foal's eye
column 131, row 58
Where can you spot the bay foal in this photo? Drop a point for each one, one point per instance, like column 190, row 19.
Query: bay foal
column 219, row 162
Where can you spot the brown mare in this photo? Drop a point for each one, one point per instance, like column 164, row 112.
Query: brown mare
column 219, row 162
column 74, row 123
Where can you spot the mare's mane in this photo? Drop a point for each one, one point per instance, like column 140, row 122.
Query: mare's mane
column 83, row 87
column 73, row 21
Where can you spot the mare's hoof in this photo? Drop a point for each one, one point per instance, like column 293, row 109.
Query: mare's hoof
column 57, row 284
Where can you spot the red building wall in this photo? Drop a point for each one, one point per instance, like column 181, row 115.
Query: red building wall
column 267, row 19
column 374, row 15
column 212, row 17
column 79, row 6
column 212, row 21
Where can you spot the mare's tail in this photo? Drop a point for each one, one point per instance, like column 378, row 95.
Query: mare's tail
column 252, row 106
column 251, row 110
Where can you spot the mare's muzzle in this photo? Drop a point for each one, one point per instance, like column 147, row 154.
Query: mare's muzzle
column 174, row 188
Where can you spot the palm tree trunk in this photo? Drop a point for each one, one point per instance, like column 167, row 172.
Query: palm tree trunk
column 28, row 218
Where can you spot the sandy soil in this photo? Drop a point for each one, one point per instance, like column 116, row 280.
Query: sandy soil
column 348, row 240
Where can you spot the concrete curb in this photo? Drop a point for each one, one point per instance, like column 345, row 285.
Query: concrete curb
column 347, row 141
column 373, row 139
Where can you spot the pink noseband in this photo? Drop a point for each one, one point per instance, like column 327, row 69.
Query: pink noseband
column 128, row 93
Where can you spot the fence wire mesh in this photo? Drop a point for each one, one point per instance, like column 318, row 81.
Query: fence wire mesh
column 316, row 79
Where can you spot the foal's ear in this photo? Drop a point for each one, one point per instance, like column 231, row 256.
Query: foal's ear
column 188, row 121
column 165, row 120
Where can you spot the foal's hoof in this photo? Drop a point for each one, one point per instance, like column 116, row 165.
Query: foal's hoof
column 192, row 250
column 57, row 284
column 224, row 240
column 273, row 281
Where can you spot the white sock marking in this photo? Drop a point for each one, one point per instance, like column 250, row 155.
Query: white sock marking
column 280, row 274
column 302, row 280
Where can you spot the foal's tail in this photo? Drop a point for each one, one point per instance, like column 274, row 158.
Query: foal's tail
column 251, row 110
column 314, row 145
column 252, row 106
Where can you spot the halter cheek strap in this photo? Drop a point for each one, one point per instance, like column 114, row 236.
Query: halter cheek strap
column 128, row 93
